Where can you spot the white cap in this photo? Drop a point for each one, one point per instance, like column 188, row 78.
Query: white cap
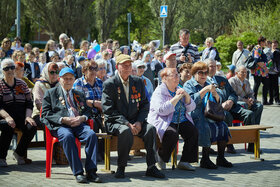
column 167, row 55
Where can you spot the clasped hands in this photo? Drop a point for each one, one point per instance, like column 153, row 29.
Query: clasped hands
column 135, row 128
column 73, row 121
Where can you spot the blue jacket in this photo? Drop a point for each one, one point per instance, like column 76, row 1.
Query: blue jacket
column 192, row 88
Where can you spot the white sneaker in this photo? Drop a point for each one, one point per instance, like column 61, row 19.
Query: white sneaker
column 185, row 166
column 20, row 160
column 3, row 163
column 160, row 164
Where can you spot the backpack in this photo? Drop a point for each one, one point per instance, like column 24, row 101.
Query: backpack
column 217, row 57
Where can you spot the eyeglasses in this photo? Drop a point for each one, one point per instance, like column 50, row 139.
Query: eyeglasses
column 9, row 68
column 202, row 73
column 54, row 72
column 141, row 67
column 93, row 68
column 174, row 75
column 100, row 69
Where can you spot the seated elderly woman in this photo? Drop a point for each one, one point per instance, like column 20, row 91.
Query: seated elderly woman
column 48, row 79
column 245, row 94
column 209, row 131
column 185, row 73
column 101, row 71
column 141, row 68
column 15, row 111
column 169, row 110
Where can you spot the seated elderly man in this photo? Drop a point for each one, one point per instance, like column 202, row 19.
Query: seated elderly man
column 125, row 108
column 64, row 112
column 245, row 94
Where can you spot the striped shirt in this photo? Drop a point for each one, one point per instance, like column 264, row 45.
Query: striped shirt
column 177, row 48
column 16, row 99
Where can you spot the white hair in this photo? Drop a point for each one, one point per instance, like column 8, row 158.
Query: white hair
column 6, row 62
column 209, row 39
column 239, row 68
column 63, row 35
column 101, row 62
column 208, row 61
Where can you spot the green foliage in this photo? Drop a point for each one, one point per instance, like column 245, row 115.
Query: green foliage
column 7, row 16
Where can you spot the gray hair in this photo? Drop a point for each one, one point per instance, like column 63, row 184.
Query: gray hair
column 239, row 68
column 6, row 62
column 184, row 31
column 208, row 61
column 63, row 35
column 101, row 62
column 209, row 39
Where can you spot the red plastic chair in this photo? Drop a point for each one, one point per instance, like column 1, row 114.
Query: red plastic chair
column 240, row 122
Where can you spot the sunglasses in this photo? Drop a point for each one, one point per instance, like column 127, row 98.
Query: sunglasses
column 54, row 72
column 141, row 67
column 93, row 68
column 99, row 69
column 9, row 68
column 202, row 73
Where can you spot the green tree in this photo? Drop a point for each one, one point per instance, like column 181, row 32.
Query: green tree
column 57, row 16
column 7, row 16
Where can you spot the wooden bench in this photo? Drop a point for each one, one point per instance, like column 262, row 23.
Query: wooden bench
column 111, row 144
column 248, row 134
column 242, row 134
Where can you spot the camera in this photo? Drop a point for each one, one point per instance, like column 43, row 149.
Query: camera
column 185, row 53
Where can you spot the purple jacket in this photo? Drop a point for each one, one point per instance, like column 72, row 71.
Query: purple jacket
column 161, row 110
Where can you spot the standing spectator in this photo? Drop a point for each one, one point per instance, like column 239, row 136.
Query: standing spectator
column 168, row 113
column 185, row 73
column 116, row 45
column 67, row 44
column 185, row 51
column 27, row 48
column 35, row 68
column 62, row 37
column 6, row 47
column 148, row 73
column 219, row 70
column 209, row 130
column 49, row 50
column 260, row 73
column 209, row 51
column 158, row 62
column 166, row 49
column 36, row 51
column 42, row 61
column 103, row 47
column 274, row 73
column 84, row 46
column 15, row 111
column 109, row 43
column 17, row 44
column 240, row 55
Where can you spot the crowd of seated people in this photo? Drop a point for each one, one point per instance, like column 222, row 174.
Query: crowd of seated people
column 127, row 92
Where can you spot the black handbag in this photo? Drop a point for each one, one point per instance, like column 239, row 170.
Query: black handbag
column 250, row 63
column 214, row 111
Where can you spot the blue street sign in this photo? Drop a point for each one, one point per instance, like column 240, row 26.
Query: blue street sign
column 163, row 11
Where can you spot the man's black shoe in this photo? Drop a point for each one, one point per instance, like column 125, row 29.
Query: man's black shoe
column 81, row 179
column 230, row 149
column 266, row 103
column 154, row 172
column 207, row 163
column 212, row 152
column 120, row 173
column 223, row 162
column 93, row 177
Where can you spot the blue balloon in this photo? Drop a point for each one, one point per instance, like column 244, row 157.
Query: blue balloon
column 96, row 48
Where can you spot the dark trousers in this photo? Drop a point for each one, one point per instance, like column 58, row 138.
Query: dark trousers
column 67, row 136
column 190, row 135
column 125, row 142
column 273, row 88
column 7, row 132
column 257, row 82
column 240, row 113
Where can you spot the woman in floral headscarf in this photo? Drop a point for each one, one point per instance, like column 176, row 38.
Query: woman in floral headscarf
column 48, row 79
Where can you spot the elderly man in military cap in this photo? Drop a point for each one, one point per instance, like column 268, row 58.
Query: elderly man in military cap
column 125, row 108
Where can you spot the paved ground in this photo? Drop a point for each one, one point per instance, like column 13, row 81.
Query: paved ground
column 246, row 172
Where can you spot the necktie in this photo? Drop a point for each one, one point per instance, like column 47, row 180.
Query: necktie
column 243, row 87
column 72, row 106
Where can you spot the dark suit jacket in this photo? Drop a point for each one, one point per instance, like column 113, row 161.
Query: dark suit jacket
column 54, row 107
column 117, row 111
column 158, row 67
